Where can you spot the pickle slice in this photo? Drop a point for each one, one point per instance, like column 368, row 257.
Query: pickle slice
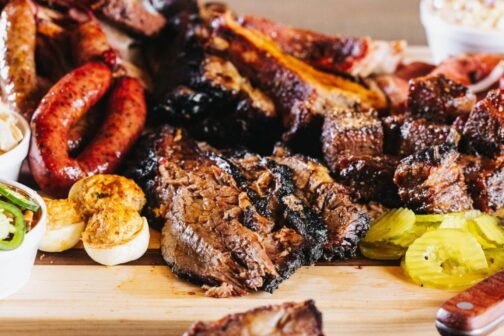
column 495, row 259
column 446, row 258
column 382, row 251
column 392, row 225
column 433, row 218
column 489, row 228
column 454, row 222
column 438, row 218
column 416, row 232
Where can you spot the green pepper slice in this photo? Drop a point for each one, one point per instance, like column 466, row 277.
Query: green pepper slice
column 19, row 225
column 18, row 199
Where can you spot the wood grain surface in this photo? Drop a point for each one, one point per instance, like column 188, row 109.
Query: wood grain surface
column 150, row 300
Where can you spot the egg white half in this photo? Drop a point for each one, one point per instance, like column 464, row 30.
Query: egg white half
column 61, row 238
column 121, row 253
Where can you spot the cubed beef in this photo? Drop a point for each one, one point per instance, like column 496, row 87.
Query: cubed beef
column 392, row 133
column 484, row 130
column 433, row 181
column 360, row 133
column 418, row 134
column 438, row 98
column 369, row 177
column 485, row 181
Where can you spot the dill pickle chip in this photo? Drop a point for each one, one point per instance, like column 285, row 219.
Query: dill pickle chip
column 433, row 218
column 495, row 260
column 382, row 251
column 416, row 232
column 474, row 230
column 396, row 223
column 446, row 258
column 490, row 229
column 454, row 222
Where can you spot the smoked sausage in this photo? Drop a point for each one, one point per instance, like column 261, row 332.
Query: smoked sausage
column 63, row 106
column 18, row 77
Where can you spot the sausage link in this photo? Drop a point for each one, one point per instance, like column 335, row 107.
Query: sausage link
column 90, row 44
column 65, row 103
column 123, row 124
column 18, row 77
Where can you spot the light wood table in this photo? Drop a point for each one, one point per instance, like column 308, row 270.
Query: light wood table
column 70, row 295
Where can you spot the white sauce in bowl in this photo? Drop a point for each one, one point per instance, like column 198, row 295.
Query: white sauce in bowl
column 10, row 133
column 487, row 15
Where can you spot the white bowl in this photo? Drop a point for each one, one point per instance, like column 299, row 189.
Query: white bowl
column 446, row 39
column 10, row 162
column 16, row 265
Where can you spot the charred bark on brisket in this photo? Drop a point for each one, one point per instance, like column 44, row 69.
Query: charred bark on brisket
column 419, row 134
column 207, row 95
column 346, row 221
column 484, row 129
column 485, row 181
column 439, row 99
column 368, row 177
column 212, row 234
column 270, row 187
column 433, row 181
column 350, row 131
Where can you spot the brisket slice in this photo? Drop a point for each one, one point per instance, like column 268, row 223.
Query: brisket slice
column 271, row 189
column 205, row 238
column 433, row 181
column 288, row 319
column 346, row 221
column 484, row 129
column 439, row 99
column 301, row 93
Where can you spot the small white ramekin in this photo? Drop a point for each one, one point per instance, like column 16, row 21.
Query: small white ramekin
column 446, row 39
column 10, row 162
column 16, row 265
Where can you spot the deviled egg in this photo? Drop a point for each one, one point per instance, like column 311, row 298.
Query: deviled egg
column 64, row 226
column 93, row 193
column 116, row 234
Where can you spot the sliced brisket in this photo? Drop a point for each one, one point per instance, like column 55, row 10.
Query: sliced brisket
column 288, row 319
column 346, row 221
column 206, row 236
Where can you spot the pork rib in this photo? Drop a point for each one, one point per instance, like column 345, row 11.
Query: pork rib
column 301, row 93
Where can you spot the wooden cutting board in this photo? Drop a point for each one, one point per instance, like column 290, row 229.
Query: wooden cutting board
column 68, row 294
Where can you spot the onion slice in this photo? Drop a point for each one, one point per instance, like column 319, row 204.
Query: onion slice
column 487, row 82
